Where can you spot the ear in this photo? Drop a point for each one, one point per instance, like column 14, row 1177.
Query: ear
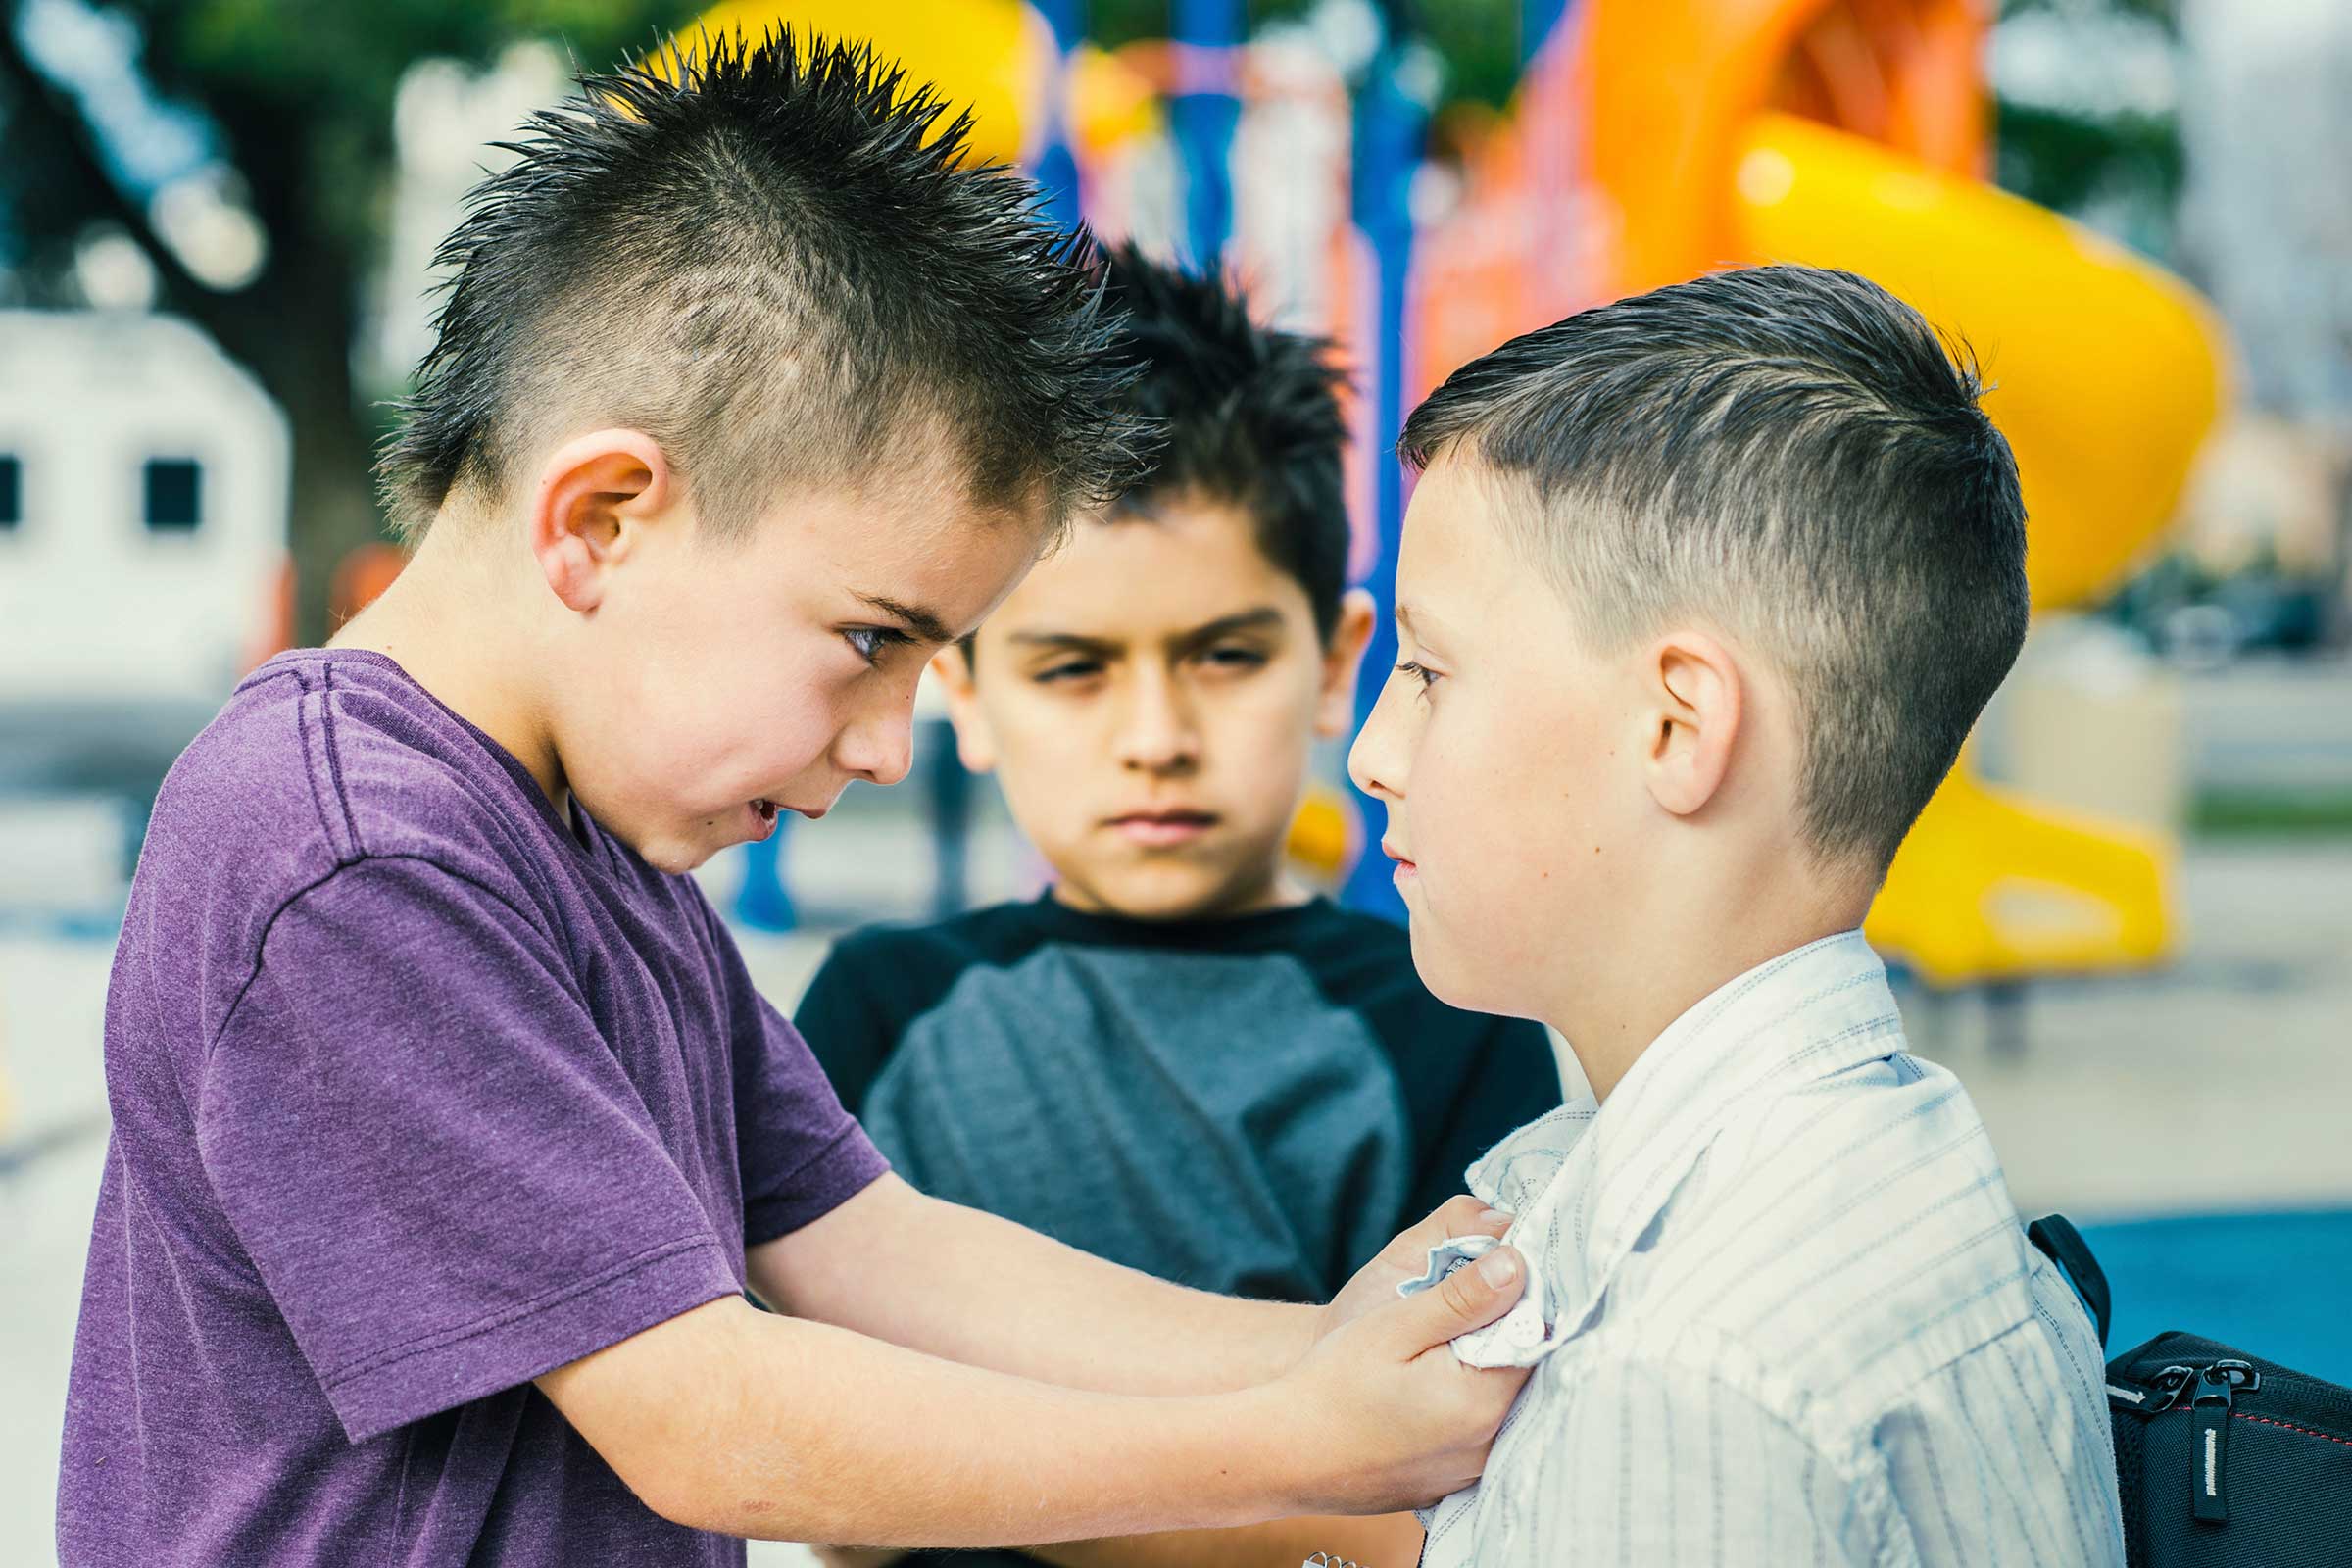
column 1343, row 657
column 975, row 744
column 1694, row 701
column 595, row 493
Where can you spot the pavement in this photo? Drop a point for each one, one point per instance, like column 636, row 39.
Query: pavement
column 2215, row 1086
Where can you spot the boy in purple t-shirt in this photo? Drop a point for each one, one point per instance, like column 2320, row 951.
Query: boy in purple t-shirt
column 449, row 1130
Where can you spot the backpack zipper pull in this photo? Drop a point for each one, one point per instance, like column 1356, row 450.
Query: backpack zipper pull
column 2209, row 1438
column 2166, row 1389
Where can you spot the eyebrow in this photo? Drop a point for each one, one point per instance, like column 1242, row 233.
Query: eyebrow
column 1068, row 640
column 1265, row 617
column 924, row 623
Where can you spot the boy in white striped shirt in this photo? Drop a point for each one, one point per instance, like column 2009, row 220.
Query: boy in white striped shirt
column 1699, row 594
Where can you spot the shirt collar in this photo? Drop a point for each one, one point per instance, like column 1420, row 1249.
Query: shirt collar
column 1586, row 1182
column 1804, row 1017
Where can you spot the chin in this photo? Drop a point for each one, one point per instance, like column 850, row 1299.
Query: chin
column 1157, row 892
column 1449, row 979
column 674, row 856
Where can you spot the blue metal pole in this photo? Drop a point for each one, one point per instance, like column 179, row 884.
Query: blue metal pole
column 1203, row 122
column 1056, row 169
column 1389, row 128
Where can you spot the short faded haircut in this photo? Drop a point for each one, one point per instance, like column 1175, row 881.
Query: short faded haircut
column 776, row 261
column 1789, row 454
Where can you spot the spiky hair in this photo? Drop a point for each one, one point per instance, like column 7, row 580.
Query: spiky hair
column 1247, row 415
column 775, row 260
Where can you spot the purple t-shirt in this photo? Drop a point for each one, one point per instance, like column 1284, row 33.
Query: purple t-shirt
column 419, row 1092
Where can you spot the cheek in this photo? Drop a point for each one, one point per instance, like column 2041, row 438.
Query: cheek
column 756, row 729
column 1045, row 743
column 1261, row 736
column 1488, row 812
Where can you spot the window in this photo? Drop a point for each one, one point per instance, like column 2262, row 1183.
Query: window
column 174, row 493
column 12, row 490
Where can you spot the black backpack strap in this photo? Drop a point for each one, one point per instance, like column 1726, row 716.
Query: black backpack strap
column 2057, row 1236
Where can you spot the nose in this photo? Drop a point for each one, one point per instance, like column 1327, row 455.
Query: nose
column 1376, row 761
column 879, row 742
column 1156, row 730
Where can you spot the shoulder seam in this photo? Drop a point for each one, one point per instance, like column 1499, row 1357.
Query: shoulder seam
column 334, row 758
column 309, row 773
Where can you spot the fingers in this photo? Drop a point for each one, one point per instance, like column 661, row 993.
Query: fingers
column 1467, row 1298
column 1465, row 1215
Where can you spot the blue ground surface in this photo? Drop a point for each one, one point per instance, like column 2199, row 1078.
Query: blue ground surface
column 2276, row 1285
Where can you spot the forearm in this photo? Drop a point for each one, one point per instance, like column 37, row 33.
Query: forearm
column 967, row 1285
column 1382, row 1541
column 788, row 1430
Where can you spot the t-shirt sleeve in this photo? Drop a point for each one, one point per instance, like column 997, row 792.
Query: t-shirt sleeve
column 802, row 1153
column 439, row 1169
column 1510, row 1078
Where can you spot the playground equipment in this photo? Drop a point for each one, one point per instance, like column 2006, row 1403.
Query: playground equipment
column 996, row 58
column 1844, row 133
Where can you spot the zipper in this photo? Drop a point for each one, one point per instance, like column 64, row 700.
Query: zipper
column 2332, row 1404
column 2210, row 1392
column 2161, row 1391
column 2209, row 1437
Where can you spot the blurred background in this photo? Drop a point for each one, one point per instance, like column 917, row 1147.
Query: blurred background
column 2125, row 923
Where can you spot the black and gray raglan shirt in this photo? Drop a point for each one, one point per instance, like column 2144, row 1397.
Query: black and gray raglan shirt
column 1250, row 1106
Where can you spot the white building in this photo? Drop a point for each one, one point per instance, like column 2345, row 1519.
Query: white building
column 143, row 541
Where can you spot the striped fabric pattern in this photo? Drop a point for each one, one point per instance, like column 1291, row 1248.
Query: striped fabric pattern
column 1788, row 1313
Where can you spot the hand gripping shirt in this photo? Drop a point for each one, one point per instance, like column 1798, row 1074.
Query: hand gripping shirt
column 1787, row 1313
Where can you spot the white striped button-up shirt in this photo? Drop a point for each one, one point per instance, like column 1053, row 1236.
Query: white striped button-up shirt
column 1783, row 1312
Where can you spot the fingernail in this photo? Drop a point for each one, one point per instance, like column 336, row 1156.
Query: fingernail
column 1498, row 1269
column 1493, row 1216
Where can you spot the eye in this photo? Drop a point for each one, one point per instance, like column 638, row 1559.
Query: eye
column 1426, row 676
column 873, row 642
column 1234, row 657
column 1075, row 669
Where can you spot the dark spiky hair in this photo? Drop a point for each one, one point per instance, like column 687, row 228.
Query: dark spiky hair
column 775, row 261
column 1248, row 416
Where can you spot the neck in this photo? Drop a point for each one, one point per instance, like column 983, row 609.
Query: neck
column 1650, row 970
column 448, row 621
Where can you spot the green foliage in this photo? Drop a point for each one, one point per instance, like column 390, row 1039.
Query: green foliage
column 2127, row 169
column 324, row 71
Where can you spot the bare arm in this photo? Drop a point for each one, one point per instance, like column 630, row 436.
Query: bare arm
column 965, row 1285
column 970, row 1287
column 736, row 1420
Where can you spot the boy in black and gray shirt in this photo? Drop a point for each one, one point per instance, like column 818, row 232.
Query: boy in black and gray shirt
column 1178, row 1058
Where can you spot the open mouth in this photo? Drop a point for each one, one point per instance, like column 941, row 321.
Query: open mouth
column 1405, row 867
column 1161, row 829
column 763, row 818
